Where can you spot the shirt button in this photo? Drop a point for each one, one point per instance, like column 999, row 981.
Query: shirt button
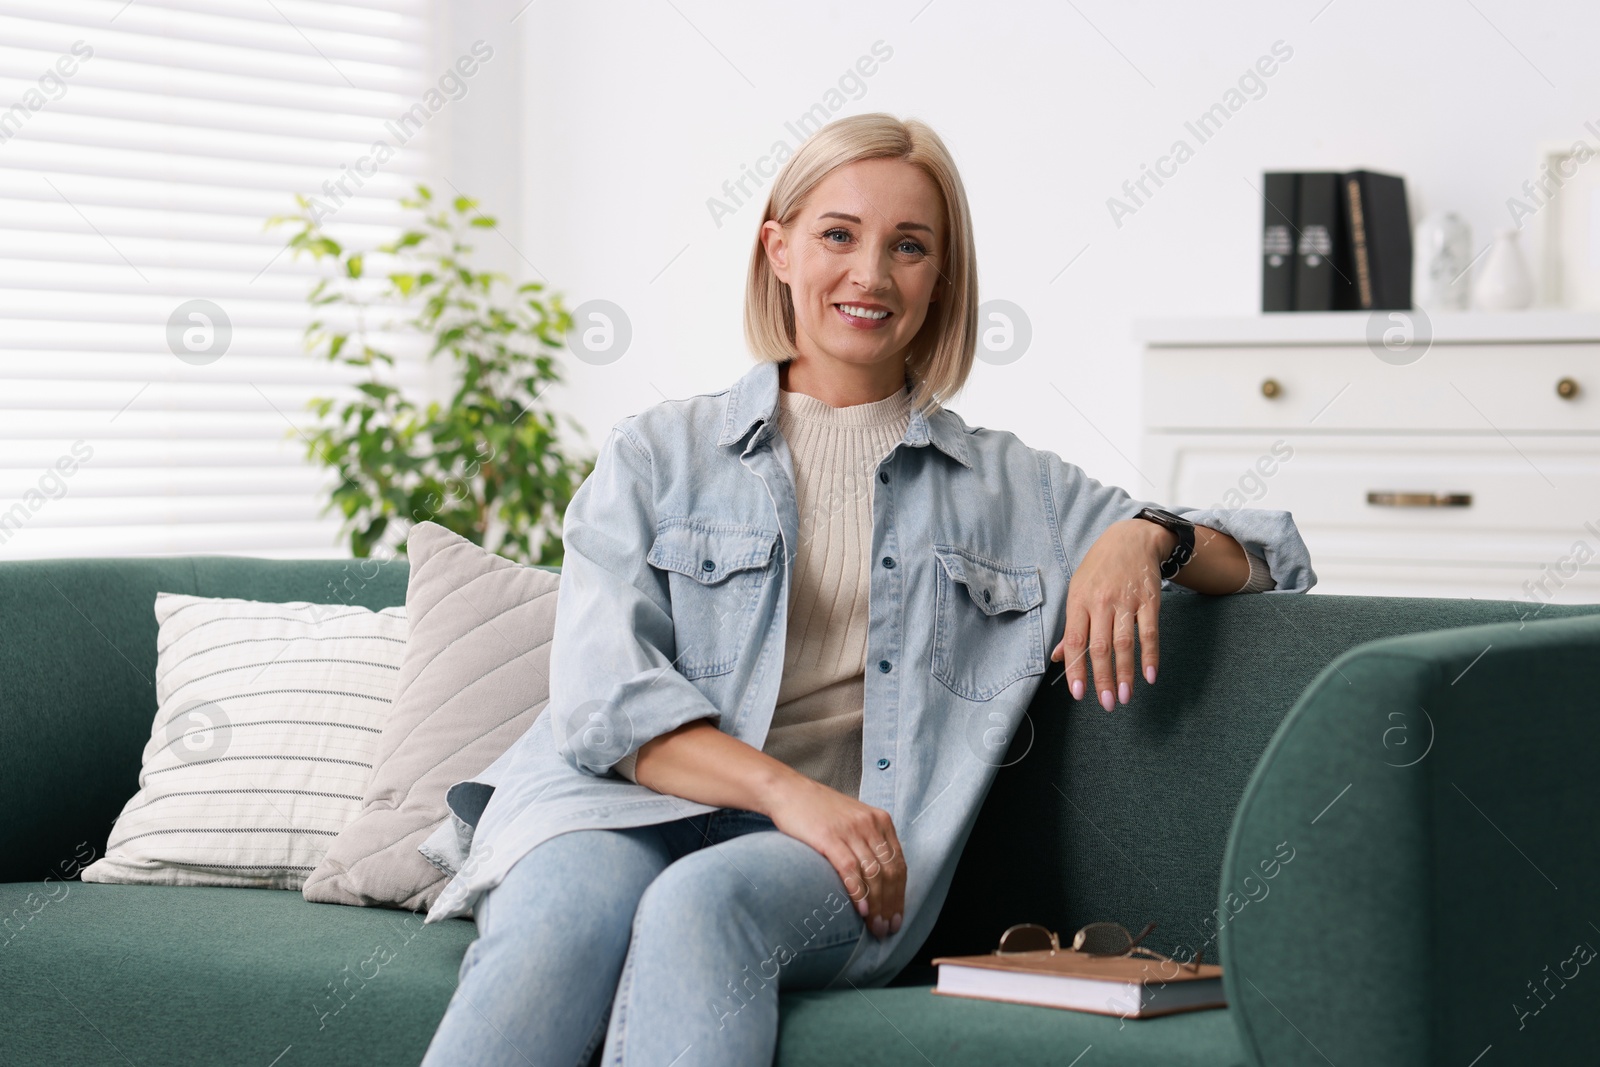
column 888, row 561
column 707, row 565
column 883, row 476
column 883, row 665
column 883, row 764
column 986, row 596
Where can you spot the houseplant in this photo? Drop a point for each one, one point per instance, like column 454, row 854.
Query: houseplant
column 489, row 464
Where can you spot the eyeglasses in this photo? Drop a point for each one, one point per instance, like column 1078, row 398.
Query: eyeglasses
column 1096, row 939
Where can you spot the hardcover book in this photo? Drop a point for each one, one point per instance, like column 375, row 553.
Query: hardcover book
column 1133, row 987
column 1380, row 239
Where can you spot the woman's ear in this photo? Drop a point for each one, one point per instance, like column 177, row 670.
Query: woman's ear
column 776, row 245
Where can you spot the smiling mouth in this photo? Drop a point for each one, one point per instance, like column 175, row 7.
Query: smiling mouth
column 857, row 314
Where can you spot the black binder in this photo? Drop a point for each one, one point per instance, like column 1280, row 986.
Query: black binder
column 1279, row 190
column 1322, row 273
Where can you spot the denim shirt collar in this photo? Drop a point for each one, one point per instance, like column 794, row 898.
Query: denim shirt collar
column 754, row 398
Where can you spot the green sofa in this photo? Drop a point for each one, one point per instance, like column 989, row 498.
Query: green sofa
column 1382, row 812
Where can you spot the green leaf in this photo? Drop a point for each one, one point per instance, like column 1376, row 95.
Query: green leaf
column 406, row 240
column 464, row 459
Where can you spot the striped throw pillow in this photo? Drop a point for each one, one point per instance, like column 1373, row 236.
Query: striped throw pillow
column 268, row 717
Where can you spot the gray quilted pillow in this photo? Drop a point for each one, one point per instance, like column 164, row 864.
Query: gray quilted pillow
column 474, row 676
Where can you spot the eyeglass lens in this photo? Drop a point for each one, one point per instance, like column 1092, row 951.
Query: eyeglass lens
column 1029, row 937
column 1103, row 939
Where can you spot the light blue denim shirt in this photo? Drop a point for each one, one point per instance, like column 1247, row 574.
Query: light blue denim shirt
column 673, row 607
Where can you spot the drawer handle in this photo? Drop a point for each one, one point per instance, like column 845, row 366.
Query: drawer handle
column 1566, row 389
column 1420, row 500
column 1270, row 388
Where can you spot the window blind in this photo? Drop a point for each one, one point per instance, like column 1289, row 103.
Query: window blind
column 142, row 147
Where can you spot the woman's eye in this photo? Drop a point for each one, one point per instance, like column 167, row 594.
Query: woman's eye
column 907, row 246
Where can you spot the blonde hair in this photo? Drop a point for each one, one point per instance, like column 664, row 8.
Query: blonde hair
column 939, row 357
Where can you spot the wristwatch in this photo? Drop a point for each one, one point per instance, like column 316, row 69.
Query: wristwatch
column 1184, row 550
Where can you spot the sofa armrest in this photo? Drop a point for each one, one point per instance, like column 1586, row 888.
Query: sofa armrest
column 1435, row 796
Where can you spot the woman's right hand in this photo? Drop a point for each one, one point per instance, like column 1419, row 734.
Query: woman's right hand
column 858, row 839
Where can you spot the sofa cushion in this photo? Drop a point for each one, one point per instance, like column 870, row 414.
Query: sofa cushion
column 111, row 974
column 202, row 975
column 911, row 1025
column 267, row 724
column 475, row 674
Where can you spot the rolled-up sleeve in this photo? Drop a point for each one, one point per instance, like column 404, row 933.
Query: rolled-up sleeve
column 613, row 685
column 1085, row 509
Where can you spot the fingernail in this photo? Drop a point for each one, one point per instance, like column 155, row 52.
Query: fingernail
column 894, row 924
column 861, row 907
column 1122, row 692
column 1105, row 699
column 1077, row 689
column 1150, row 675
column 880, row 926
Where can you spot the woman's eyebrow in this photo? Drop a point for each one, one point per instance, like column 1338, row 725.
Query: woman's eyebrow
column 852, row 218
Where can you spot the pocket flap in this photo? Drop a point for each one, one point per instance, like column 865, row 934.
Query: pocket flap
column 709, row 552
column 994, row 589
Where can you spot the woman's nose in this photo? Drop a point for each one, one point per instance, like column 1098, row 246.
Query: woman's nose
column 871, row 272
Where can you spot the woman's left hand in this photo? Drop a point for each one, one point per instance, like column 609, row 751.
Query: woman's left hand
column 1115, row 592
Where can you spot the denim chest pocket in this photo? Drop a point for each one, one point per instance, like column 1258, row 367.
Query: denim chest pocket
column 716, row 573
column 988, row 629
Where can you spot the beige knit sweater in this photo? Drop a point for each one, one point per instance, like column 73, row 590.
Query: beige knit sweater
column 816, row 726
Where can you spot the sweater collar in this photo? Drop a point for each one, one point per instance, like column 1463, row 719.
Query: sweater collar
column 754, row 398
column 893, row 410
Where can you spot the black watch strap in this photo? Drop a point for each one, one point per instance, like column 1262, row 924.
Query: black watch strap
column 1183, row 551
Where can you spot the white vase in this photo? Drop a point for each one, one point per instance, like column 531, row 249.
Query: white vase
column 1503, row 282
column 1441, row 256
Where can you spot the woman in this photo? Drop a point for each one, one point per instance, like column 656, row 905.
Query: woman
column 691, row 828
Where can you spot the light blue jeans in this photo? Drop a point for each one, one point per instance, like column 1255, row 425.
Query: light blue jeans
column 671, row 942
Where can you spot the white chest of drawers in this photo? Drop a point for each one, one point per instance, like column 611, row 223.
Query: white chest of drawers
column 1468, row 466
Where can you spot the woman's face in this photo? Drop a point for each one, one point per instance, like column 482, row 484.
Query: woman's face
column 862, row 261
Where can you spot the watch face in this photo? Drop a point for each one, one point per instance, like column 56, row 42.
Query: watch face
column 1167, row 518
column 1183, row 551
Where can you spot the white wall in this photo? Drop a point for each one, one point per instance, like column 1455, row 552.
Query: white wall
column 632, row 114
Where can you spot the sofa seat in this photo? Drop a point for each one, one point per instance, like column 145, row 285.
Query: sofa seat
column 112, row 974
column 910, row 1025
column 178, row 975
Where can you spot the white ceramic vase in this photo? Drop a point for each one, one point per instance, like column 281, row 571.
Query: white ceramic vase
column 1441, row 256
column 1503, row 282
